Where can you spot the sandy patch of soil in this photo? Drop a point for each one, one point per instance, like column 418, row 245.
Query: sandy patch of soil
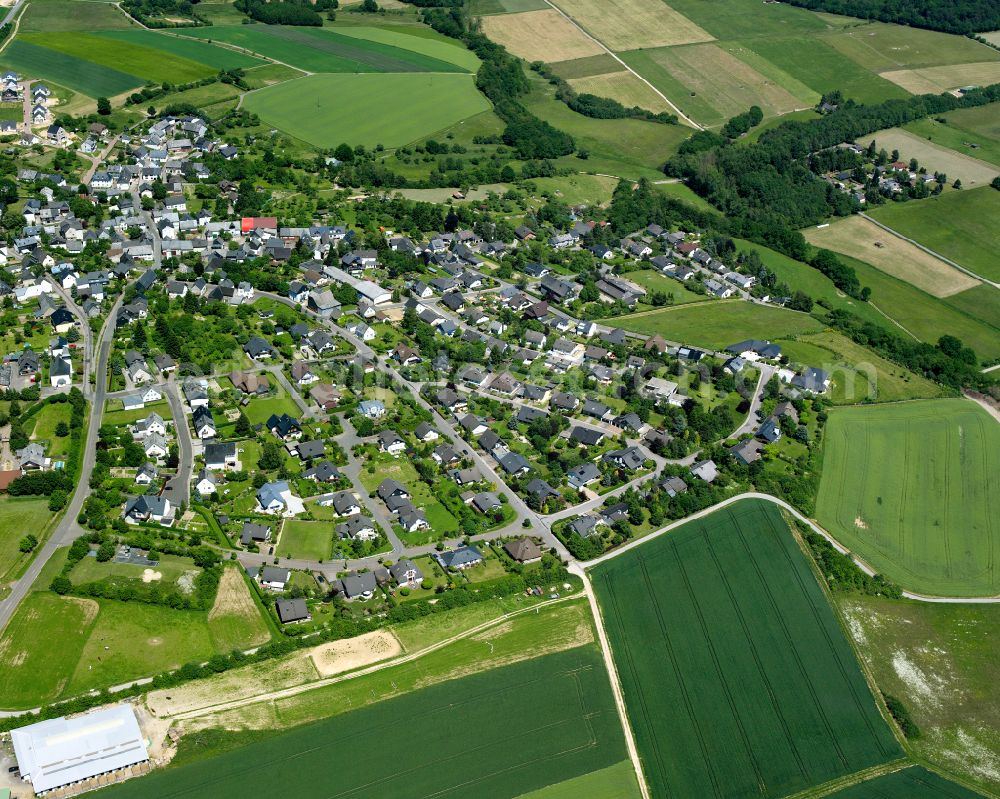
column 149, row 576
column 337, row 657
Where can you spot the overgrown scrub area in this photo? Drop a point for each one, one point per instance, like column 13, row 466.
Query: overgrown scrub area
column 735, row 670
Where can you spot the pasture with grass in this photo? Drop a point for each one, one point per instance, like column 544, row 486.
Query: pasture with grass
column 736, row 673
column 326, row 110
column 939, row 661
column 910, row 488
column 960, row 225
column 718, row 323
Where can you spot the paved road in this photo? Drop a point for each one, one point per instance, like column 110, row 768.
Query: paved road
column 178, row 488
column 753, row 414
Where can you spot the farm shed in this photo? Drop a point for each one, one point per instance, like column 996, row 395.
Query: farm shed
column 59, row 752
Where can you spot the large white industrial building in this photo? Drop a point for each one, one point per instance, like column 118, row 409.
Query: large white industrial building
column 59, row 752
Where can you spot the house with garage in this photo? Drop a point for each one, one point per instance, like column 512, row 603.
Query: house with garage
column 459, row 559
column 221, row 456
column 357, row 528
column 254, row 534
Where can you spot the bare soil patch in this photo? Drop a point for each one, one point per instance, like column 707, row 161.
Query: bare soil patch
column 337, row 657
column 540, row 36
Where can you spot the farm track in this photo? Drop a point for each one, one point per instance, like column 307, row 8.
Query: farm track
column 294, row 690
column 931, row 252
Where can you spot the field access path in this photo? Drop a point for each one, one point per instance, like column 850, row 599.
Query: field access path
column 625, row 66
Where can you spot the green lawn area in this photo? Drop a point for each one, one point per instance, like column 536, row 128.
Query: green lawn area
column 882, row 47
column 260, row 410
column 651, row 280
column 858, row 374
column 679, row 191
column 823, row 68
column 735, row 670
column 727, row 19
column 562, row 703
column 631, row 148
column 146, row 63
column 719, row 323
column 349, row 49
column 960, row 225
column 911, row 488
column 438, row 516
column 18, row 517
column 171, row 567
column 45, row 428
column 305, row 540
column 326, row 110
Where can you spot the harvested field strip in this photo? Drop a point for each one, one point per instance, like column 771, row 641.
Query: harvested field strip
column 934, row 80
column 540, row 36
column 633, row 24
column 914, row 782
column 721, row 83
column 736, row 673
column 873, row 495
column 74, row 73
column 562, row 704
column 200, row 52
column 624, row 87
column 146, row 63
column 862, row 239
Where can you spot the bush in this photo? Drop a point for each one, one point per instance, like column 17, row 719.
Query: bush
column 902, row 717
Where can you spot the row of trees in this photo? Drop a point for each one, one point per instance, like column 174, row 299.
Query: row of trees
column 950, row 16
column 280, row 12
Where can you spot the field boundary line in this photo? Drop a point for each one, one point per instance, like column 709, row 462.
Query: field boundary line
column 929, row 251
column 859, row 562
column 855, row 778
column 611, row 53
column 612, row 670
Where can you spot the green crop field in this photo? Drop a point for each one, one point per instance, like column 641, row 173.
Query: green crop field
column 18, row 517
column 733, row 19
column 719, row 323
column 914, row 782
column 199, row 52
column 328, row 50
column 73, row 15
column 561, row 717
column 735, row 670
column 613, row 782
column 882, row 47
column 392, row 110
column 305, row 540
column 79, row 74
column 910, row 489
column 146, row 63
column 960, row 225
column 415, row 38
